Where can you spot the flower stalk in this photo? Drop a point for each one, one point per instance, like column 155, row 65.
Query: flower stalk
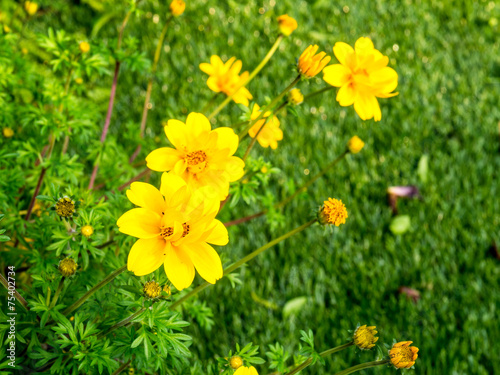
column 242, row 261
column 19, row 298
column 58, row 292
column 91, row 292
column 122, row 323
column 250, row 77
column 362, row 366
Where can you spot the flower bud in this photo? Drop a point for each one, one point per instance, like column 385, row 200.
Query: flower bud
column 332, row 212
column 355, row 144
column 311, row 63
column 152, row 289
column 84, row 47
column 167, row 290
column 65, row 207
column 403, row 355
column 286, row 24
column 67, row 267
column 177, row 7
column 235, row 362
column 364, row 337
column 8, row 132
column 87, row 230
column 78, row 80
column 30, row 7
column 295, row 97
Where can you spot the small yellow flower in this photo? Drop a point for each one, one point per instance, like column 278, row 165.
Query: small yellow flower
column 264, row 169
column 6, row 29
column 333, row 212
column 225, row 77
column 67, row 267
column 246, row 371
column 78, row 80
column 177, row 7
column 152, row 289
column 24, row 50
column 202, row 156
column 175, row 226
column 364, row 337
column 286, row 24
column 8, row 132
column 30, row 7
column 403, row 355
column 271, row 134
column 65, row 207
column 295, row 97
column 235, row 362
column 363, row 76
column 87, row 230
column 167, row 290
column 84, row 47
column 131, row 371
column 311, row 63
column 355, row 144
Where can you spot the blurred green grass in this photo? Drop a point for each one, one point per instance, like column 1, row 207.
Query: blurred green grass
column 445, row 53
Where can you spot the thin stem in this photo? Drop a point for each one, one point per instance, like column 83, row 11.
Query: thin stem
column 122, row 323
column 19, row 298
column 363, row 366
column 325, row 89
column 209, row 103
column 139, row 176
column 121, row 368
column 269, row 118
column 35, row 194
column 87, row 295
column 242, row 261
column 323, row 354
column 58, row 292
column 250, row 77
column 149, row 89
column 285, row 201
column 269, row 106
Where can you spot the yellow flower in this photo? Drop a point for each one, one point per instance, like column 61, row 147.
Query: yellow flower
column 152, row 289
column 84, row 47
column 403, row 355
column 24, row 51
column 30, row 7
column 333, row 212
column 65, row 207
column 226, row 77
column 202, row 157
column 355, row 144
column 6, row 29
column 295, row 96
column 67, row 267
column 235, row 362
column 78, row 80
column 167, row 290
column 271, row 134
column 8, row 132
column 246, row 371
column 311, row 63
column 175, row 226
column 364, row 337
column 177, row 7
column 286, row 24
column 363, row 76
column 87, row 230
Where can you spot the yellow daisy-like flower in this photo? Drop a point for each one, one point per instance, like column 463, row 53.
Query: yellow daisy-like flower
column 271, row 134
column 177, row 7
column 226, row 77
column 403, row 355
column 286, row 24
column 8, row 132
column 364, row 337
column 333, row 212
column 295, row 96
column 311, row 63
column 246, row 371
column 87, row 230
column 355, row 144
column 363, row 76
column 202, row 157
column 84, row 47
column 30, row 7
column 235, row 362
column 175, row 226
column 6, row 29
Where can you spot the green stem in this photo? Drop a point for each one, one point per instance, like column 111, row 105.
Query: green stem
column 363, row 366
column 269, row 106
column 242, row 261
column 323, row 354
column 122, row 323
column 121, row 368
column 250, row 77
column 325, row 89
column 287, row 200
column 209, row 103
column 87, row 295
column 58, row 291
column 269, row 118
column 19, row 298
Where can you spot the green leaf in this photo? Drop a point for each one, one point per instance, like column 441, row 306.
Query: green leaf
column 293, row 306
column 423, row 168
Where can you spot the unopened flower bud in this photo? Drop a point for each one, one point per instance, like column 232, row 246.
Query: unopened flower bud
column 235, row 362
column 295, row 97
column 67, row 267
column 355, row 144
column 8, row 132
column 65, row 207
column 332, row 212
column 87, row 230
column 30, row 7
column 364, row 337
column 152, row 289
column 286, row 24
column 84, row 47
column 177, row 7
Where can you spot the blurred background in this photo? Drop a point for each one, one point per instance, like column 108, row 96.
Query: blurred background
column 432, row 277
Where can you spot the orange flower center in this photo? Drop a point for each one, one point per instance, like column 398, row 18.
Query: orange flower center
column 168, row 231
column 186, row 229
column 196, row 161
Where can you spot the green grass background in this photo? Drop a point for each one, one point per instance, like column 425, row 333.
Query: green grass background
column 448, row 108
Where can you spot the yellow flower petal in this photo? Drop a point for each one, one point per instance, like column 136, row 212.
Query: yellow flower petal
column 364, row 46
column 205, row 259
column 140, row 222
column 235, row 167
column 346, row 95
column 336, row 75
column 218, row 234
column 174, row 189
column 176, row 133
column 207, row 68
column 146, row 196
column 179, row 268
column 197, row 125
column 364, row 106
column 384, row 80
column 342, row 52
column 147, row 255
column 227, row 138
column 246, row 371
column 163, row 159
